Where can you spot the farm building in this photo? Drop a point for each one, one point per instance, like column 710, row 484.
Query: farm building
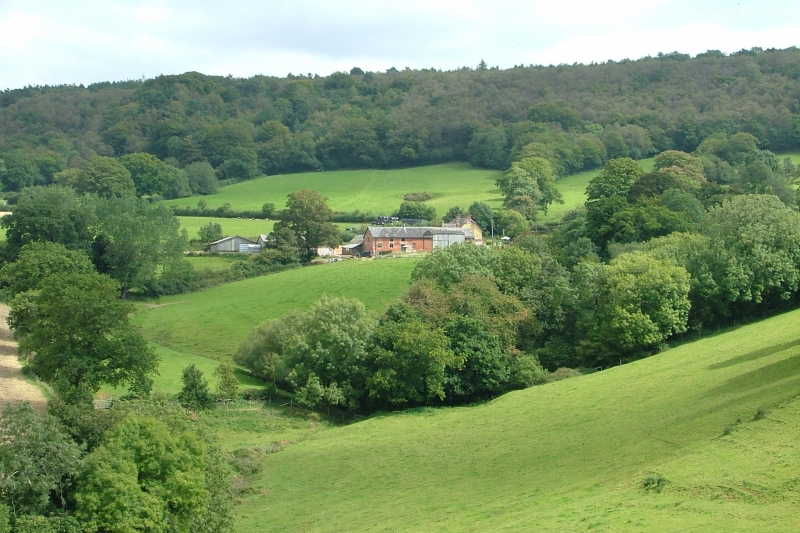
column 235, row 244
column 379, row 239
column 466, row 222
column 354, row 246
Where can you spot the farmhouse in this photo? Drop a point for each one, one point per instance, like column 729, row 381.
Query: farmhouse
column 379, row 239
column 466, row 222
column 234, row 244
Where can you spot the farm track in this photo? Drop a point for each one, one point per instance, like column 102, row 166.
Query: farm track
column 14, row 388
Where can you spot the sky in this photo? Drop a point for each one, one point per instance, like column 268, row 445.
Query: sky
column 52, row 42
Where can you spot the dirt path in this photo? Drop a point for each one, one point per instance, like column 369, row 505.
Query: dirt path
column 13, row 386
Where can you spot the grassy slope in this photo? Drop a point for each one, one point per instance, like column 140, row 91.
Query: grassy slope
column 246, row 227
column 567, row 456
column 376, row 191
column 213, row 322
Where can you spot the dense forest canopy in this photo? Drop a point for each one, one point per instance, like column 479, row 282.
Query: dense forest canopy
column 577, row 116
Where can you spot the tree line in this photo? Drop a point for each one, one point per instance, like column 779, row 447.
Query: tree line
column 211, row 128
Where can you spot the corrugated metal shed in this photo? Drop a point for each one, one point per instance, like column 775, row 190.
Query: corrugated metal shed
column 444, row 237
column 232, row 244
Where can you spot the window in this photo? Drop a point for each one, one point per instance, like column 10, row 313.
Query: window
column 403, row 239
column 380, row 245
column 391, row 245
column 391, row 239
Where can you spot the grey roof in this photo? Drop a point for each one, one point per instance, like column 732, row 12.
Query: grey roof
column 358, row 239
column 248, row 241
column 382, row 232
column 459, row 222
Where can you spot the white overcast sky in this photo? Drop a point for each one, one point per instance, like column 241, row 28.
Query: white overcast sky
column 77, row 41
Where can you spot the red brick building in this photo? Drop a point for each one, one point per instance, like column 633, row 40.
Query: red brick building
column 379, row 239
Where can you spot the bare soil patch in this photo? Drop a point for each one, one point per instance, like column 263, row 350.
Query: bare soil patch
column 14, row 388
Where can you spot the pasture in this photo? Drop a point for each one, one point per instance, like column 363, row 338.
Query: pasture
column 376, row 191
column 370, row 191
column 703, row 437
column 246, row 227
column 211, row 323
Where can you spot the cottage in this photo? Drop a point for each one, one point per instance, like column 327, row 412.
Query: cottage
column 466, row 223
column 234, row 244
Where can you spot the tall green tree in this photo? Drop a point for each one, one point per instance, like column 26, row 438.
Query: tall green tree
column 629, row 307
column 79, row 337
column 410, row 362
column 38, row 462
column 39, row 260
column 54, row 214
column 154, row 177
column 529, row 186
column 482, row 214
column 135, row 239
column 20, row 171
column 106, row 177
column 615, row 179
column 307, row 214
column 144, row 477
column 756, row 240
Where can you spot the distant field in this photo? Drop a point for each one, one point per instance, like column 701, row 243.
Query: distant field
column 246, row 227
column 569, row 456
column 377, row 191
column 212, row 323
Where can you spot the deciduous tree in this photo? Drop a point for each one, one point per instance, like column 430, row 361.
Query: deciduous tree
column 307, row 214
column 79, row 337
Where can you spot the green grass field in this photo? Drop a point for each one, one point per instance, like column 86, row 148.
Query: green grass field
column 377, row 191
column 170, row 368
column 246, row 227
column 569, row 456
column 212, row 323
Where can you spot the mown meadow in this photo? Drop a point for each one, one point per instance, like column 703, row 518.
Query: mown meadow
column 702, row 437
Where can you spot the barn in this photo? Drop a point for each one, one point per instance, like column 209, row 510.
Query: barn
column 234, row 244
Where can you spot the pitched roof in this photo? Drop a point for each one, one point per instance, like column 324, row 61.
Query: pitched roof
column 413, row 232
column 459, row 222
column 248, row 241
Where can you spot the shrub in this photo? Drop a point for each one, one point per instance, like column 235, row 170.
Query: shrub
column 655, row 483
column 194, row 394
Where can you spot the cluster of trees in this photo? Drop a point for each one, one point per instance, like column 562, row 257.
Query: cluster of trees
column 131, row 240
column 140, row 174
column 140, row 466
column 139, row 244
column 575, row 116
column 650, row 256
column 452, row 339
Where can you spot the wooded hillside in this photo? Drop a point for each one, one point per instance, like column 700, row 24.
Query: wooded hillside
column 245, row 127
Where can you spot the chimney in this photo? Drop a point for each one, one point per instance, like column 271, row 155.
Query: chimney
column 458, row 215
column 469, row 217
